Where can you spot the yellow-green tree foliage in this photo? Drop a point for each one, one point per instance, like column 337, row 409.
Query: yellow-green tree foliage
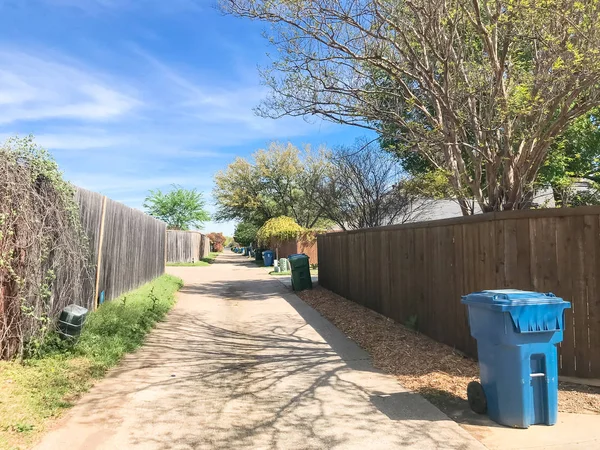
column 281, row 228
column 277, row 181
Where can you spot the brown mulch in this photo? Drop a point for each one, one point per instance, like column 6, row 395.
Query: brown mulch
column 421, row 364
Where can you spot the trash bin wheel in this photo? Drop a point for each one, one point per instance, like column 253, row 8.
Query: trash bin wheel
column 476, row 396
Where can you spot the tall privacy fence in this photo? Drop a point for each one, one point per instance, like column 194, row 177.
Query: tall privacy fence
column 291, row 247
column 423, row 269
column 186, row 246
column 127, row 246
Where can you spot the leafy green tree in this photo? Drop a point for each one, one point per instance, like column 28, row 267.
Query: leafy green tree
column 478, row 88
column 424, row 179
column 275, row 182
column 575, row 156
column 245, row 233
column 180, row 208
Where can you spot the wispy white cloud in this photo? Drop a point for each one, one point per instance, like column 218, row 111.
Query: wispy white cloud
column 108, row 183
column 78, row 139
column 222, row 107
column 172, row 108
column 82, row 140
column 178, row 126
column 35, row 87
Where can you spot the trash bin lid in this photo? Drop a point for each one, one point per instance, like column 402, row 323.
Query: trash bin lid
column 297, row 256
column 73, row 314
column 268, row 252
column 75, row 310
column 511, row 297
column 531, row 312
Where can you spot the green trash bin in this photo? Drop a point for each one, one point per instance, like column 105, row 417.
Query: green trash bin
column 300, row 268
column 258, row 255
column 71, row 320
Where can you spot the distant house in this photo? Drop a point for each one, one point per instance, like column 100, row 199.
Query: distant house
column 426, row 210
column 446, row 208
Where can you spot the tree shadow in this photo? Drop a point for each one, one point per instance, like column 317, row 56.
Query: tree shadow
column 456, row 408
column 238, row 260
column 234, row 366
column 208, row 385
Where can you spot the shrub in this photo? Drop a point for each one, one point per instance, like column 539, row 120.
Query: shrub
column 44, row 257
column 217, row 239
column 280, row 228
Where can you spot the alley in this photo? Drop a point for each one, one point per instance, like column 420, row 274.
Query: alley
column 241, row 362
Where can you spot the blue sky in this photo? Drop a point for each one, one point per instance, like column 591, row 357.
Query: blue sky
column 132, row 95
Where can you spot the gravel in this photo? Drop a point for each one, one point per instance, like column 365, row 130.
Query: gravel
column 421, row 364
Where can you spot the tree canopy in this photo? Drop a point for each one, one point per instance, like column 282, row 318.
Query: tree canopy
column 245, row 233
column 273, row 183
column 365, row 187
column 480, row 89
column 573, row 157
column 180, row 208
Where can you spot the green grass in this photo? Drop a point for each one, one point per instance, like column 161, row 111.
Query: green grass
column 202, row 263
column 37, row 390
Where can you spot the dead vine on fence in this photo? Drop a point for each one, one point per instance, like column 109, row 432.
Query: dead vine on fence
column 44, row 258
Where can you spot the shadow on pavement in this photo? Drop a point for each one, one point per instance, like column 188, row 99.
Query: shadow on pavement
column 233, row 258
column 293, row 382
column 234, row 366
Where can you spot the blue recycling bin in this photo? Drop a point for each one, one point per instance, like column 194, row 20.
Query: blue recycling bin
column 517, row 332
column 268, row 257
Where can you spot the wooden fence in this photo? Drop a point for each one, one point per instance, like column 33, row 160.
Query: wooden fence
column 186, row 246
column 127, row 246
column 424, row 268
column 291, row 247
column 90, row 211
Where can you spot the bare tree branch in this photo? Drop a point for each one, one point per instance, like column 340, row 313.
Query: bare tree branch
column 480, row 88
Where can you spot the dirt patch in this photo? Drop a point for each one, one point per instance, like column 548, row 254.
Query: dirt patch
column 421, row 364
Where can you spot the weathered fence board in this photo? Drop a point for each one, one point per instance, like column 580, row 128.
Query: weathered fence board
column 423, row 269
column 291, row 247
column 186, row 246
column 90, row 213
column 132, row 249
column 128, row 245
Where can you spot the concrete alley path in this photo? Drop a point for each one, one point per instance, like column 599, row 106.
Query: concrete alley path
column 242, row 363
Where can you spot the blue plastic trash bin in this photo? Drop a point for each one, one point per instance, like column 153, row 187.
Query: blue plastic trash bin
column 268, row 257
column 516, row 332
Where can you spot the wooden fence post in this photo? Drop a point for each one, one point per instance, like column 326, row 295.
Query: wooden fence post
column 166, row 244
column 99, row 260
